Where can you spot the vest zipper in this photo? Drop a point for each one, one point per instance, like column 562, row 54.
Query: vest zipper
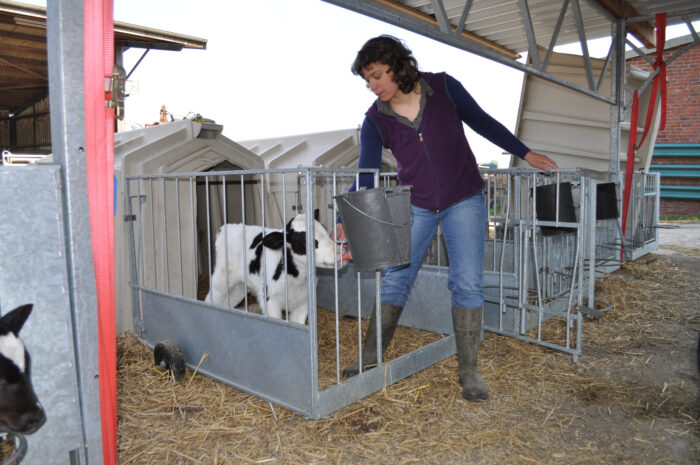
column 432, row 172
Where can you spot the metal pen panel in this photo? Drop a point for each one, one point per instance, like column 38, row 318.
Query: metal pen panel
column 534, row 281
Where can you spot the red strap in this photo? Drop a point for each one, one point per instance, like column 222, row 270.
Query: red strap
column 659, row 79
column 99, row 160
column 632, row 146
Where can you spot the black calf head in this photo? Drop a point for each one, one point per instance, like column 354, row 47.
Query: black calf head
column 296, row 241
column 20, row 411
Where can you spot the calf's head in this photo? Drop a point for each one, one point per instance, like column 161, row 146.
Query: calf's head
column 324, row 247
column 20, row 410
column 324, row 253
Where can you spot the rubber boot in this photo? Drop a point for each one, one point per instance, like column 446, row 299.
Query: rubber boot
column 467, row 326
column 390, row 318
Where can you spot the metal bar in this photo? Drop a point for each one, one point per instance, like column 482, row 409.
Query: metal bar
column 65, row 46
column 617, row 77
column 640, row 52
column 243, row 236
column 338, row 249
column 691, row 28
column 165, row 239
column 502, row 307
column 284, row 247
column 589, row 208
column 225, row 229
column 555, row 33
column 135, row 307
column 208, row 207
column 463, row 18
column 606, row 65
column 153, row 238
column 681, row 51
column 441, row 16
column 195, row 273
column 311, row 289
column 359, row 323
column 179, row 233
column 141, row 241
column 530, row 33
column 584, row 43
column 263, row 297
column 137, row 63
column 317, row 170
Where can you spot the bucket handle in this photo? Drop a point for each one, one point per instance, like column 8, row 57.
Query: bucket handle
column 375, row 219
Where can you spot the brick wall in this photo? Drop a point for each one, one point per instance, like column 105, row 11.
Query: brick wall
column 682, row 107
column 682, row 122
column 679, row 207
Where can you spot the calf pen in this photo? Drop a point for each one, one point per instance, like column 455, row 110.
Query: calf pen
column 537, row 268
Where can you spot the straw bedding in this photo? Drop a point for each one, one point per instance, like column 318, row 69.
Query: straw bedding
column 631, row 399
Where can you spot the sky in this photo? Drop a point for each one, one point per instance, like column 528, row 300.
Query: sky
column 282, row 67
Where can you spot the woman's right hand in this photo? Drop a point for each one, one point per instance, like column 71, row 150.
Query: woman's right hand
column 339, row 232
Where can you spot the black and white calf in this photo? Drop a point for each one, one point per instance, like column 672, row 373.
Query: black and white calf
column 20, row 410
column 256, row 256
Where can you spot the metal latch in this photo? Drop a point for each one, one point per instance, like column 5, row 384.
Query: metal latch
column 114, row 91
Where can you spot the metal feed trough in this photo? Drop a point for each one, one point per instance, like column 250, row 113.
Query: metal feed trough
column 535, row 270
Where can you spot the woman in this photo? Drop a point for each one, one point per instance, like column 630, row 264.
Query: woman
column 419, row 116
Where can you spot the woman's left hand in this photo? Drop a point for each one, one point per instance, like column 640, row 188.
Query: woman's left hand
column 537, row 160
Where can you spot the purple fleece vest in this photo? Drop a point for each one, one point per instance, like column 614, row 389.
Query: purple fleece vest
column 436, row 160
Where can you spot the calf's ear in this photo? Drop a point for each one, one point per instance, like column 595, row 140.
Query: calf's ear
column 274, row 240
column 16, row 318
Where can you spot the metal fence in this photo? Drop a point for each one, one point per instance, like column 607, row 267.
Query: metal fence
column 539, row 275
column 643, row 217
column 540, row 263
column 172, row 220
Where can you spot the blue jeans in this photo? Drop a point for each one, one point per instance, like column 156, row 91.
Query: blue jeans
column 463, row 227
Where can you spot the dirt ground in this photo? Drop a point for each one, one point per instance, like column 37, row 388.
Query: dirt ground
column 633, row 398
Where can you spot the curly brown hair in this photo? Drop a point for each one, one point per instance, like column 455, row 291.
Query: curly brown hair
column 390, row 51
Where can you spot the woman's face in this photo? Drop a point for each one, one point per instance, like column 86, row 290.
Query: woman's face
column 380, row 81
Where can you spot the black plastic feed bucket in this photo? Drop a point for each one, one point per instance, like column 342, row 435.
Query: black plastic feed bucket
column 377, row 224
column 546, row 207
column 606, row 202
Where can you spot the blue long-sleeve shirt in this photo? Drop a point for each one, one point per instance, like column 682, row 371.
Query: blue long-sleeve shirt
column 468, row 110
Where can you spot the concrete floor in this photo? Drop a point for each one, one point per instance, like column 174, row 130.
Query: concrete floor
column 686, row 235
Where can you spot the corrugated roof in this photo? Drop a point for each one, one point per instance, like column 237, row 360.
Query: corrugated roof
column 502, row 24
column 23, row 61
column 502, row 30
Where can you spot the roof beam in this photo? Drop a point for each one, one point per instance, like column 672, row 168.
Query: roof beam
column 25, row 69
column 417, row 14
column 644, row 31
column 377, row 9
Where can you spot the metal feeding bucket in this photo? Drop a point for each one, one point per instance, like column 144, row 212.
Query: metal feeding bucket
column 20, row 448
column 546, row 207
column 377, row 224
